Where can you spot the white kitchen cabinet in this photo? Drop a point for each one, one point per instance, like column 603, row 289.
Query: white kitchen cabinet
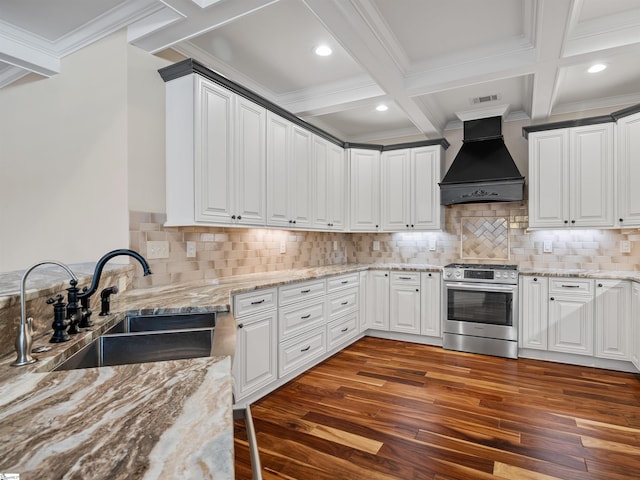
column 628, row 152
column 430, row 302
column 256, row 360
column 409, row 190
column 289, row 174
column 378, row 300
column 534, row 312
column 330, row 187
column 571, row 177
column 612, row 318
column 571, row 316
column 215, row 155
column 635, row 324
column 364, row 180
column 404, row 302
column 364, row 299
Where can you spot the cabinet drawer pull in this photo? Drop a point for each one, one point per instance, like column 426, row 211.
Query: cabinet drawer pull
column 306, row 348
column 570, row 286
column 344, row 281
column 305, row 291
column 306, row 316
column 257, row 302
column 404, row 278
column 344, row 329
column 345, row 302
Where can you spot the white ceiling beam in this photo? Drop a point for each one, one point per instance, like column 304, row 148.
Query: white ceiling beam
column 554, row 20
column 197, row 21
column 17, row 49
column 352, row 23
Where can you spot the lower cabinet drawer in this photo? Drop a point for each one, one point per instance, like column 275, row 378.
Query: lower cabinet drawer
column 301, row 350
column 342, row 330
column 295, row 319
column 341, row 303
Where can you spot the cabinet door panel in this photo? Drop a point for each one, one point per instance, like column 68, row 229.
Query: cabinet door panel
column 425, row 192
column 592, row 175
column 549, row 178
column 534, row 318
column 404, row 309
column 300, row 186
column 378, row 300
column 571, row 325
column 365, row 190
column 256, row 358
column 613, row 332
column 635, row 327
column 321, row 172
column 278, row 170
column 396, row 169
column 431, row 297
column 629, row 172
column 214, row 151
column 337, row 187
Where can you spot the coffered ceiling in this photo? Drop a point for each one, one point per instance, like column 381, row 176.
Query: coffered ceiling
column 431, row 62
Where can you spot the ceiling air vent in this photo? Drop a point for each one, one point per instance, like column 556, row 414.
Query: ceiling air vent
column 484, row 99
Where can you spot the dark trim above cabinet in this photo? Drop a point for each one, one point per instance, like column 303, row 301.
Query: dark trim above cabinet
column 189, row 66
column 613, row 117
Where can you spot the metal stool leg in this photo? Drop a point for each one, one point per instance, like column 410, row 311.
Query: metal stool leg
column 240, row 413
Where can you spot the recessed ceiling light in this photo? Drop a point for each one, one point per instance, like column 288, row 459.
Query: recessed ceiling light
column 598, row 67
column 382, row 108
column 323, row 50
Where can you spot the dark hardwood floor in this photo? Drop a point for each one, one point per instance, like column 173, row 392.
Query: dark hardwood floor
column 382, row 409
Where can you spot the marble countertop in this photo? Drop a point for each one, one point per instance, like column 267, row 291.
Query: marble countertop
column 146, row 421
column 577, row 273
column 90, row 422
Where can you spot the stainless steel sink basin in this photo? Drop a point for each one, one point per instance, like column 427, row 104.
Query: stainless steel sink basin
column 147, row 339
column 172, row 321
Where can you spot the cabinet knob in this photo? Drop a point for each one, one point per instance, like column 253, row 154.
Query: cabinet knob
column 552, row 298
column 377, row 226
column 621, row 220
column 429, row 274
column 573, row 221
column 412, row 225
column 600, row 285
column 566, row 221
column 241, row 325
column 386, row 274
column 239, row 217
column 535, row 279
column 407, row 225
column 233, row 217
column 417, row 289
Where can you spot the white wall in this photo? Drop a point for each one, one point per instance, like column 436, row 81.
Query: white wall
column 66, row 151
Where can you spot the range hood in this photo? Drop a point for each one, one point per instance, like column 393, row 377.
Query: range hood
column 484, row 170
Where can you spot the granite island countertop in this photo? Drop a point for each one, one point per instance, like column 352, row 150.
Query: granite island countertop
column 151, row 409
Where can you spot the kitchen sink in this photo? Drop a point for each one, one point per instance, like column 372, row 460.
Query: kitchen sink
column 172, row 321
column 151, row 338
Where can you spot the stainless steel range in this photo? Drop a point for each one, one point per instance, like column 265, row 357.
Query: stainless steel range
column 481, row 309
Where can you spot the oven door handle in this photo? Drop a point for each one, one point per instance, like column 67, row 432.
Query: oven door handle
column 481, row 287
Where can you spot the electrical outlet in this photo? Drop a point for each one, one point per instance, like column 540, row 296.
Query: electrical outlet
column 157, row 249
column 376, row 245
column 432, row 244
column 283, row 246
column 335, row 245
column 625, row 246
column 191, row 249
column 547, row 246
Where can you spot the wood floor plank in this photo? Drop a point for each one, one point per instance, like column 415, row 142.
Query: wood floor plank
column 388, row 410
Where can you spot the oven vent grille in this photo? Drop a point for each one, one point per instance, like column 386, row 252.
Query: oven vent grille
column 485, row 98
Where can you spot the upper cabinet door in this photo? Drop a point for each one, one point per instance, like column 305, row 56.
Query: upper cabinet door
column 396, row 190
column 628, row 153
column 426, row 211
column 301, row 187
column 364, row 174
column 591, row 168
column 250, row 163
column 213, row 153
column 549, row 178
column 337, row 187
column 329, row 185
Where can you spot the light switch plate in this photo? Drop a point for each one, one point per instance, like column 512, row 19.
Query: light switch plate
column 376, row 245
column 283, row 246
column 547, row 246
column 625, row 246
column 432, row 244
column 335, row 245
column 157, row 249
column 191, row 249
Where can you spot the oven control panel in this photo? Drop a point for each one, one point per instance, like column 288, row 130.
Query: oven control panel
column 505, row 274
